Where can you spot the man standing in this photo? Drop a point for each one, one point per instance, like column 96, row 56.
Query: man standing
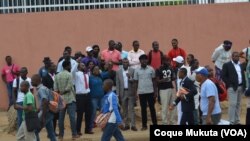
column 144, row 77
column 165, row 77
column 43, row 95
column 64, row 86
column 209, row 102
column 18, row 95
column 221, row 55
column 43, row 71
column 68, row 58
column 155, row 56
column 9, row 73
column 176, row 51
column 134, row 54
column 83, row 101
column 125, row 91
column 234, row 78
column 111, row 55
column 124, row 54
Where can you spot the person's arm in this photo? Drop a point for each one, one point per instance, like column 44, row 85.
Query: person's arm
column 15, row 91
column 136, row 83
column 4, row 78
column 154, row 84
column 215, row 55
column 56, row 87
column 175, row 102
column 116, row 110
column 132, row 60
column 211, row 103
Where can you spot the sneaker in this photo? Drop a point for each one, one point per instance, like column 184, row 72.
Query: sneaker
column 144, row 128
column 133, row 128
column 75, row 137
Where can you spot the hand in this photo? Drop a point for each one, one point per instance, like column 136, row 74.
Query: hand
column 171, row 107
column 209, row 120
column 17, row 107
column 121, row 126
column 128, row 75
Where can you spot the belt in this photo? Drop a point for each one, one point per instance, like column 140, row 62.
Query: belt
column 125, row 89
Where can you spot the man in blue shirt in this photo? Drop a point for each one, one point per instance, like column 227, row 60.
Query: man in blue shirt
column 209, row 103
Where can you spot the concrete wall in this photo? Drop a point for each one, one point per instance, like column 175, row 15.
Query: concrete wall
column 199, row 28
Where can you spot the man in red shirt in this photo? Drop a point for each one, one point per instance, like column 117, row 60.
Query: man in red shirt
column 176, row 51
column 9, row 73
column 155, row 56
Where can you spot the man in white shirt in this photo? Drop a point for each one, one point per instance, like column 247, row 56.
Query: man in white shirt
column 134, row 54
column 66, row 58
column 18, row 95
column 220, row 56
column 82, row 99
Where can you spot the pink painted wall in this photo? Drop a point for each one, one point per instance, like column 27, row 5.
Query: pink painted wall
column 199, row 28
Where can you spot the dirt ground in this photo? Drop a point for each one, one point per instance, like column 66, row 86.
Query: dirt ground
column 129, row 135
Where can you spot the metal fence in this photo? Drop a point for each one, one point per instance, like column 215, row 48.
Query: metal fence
column 27, row 6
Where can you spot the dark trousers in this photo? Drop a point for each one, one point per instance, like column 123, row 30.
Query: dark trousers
column 248, row 117
column 83, row 105
column 147, row 99
column 187, row 118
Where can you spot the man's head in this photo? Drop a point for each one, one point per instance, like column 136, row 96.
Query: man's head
column 119, row 46
column 36, row 80
column 67, row 65
column 52, row 68
column 69, row 49
column 24, row 86
column 143, row 60
column 8, row 60
column 107, row 85
column 155, row 46
column 23, row 72
column 179, row 61
column 46, row 61
column 201, row 74
column 190, row 59
column 182, row 73
column 125, row 63
column 78, row 55
column 96, row 49
column 89, row 51
column 174, row 43
column 81, row 67
column 166, row 60
column 66, row 55
column 112, row 45
column 235, row 57
column 227, row 45
column 95, row 71
column 196, row 64
column 136, row 45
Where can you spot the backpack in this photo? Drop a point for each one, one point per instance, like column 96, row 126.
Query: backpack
column 221, row 88
column 56, row 102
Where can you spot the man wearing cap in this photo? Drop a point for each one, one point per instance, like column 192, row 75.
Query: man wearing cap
column 221, row 55
column 234, row 78
column 179, row 61
column 209, row 102
column 43, row 71
column 89, row 57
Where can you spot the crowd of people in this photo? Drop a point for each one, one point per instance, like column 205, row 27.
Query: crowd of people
column 113, row 80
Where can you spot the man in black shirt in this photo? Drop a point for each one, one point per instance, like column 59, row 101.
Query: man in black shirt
column 165, row 78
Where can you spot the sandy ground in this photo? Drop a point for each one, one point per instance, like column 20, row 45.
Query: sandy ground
column 129, row 135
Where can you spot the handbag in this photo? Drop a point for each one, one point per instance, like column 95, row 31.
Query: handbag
column 32, row 121
column 102, row 119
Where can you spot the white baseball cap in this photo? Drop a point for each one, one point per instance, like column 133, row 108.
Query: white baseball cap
column 89, row 48
column 178, row 59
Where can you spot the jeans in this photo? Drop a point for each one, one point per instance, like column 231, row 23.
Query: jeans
column 110, row 130
column 19, row 115
column 71, row 109
column 96, row 103
column 248, row 117
column 215, row 119
column 49, row 127
column 147, row 99
column 10, row 89
column 196, row 117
